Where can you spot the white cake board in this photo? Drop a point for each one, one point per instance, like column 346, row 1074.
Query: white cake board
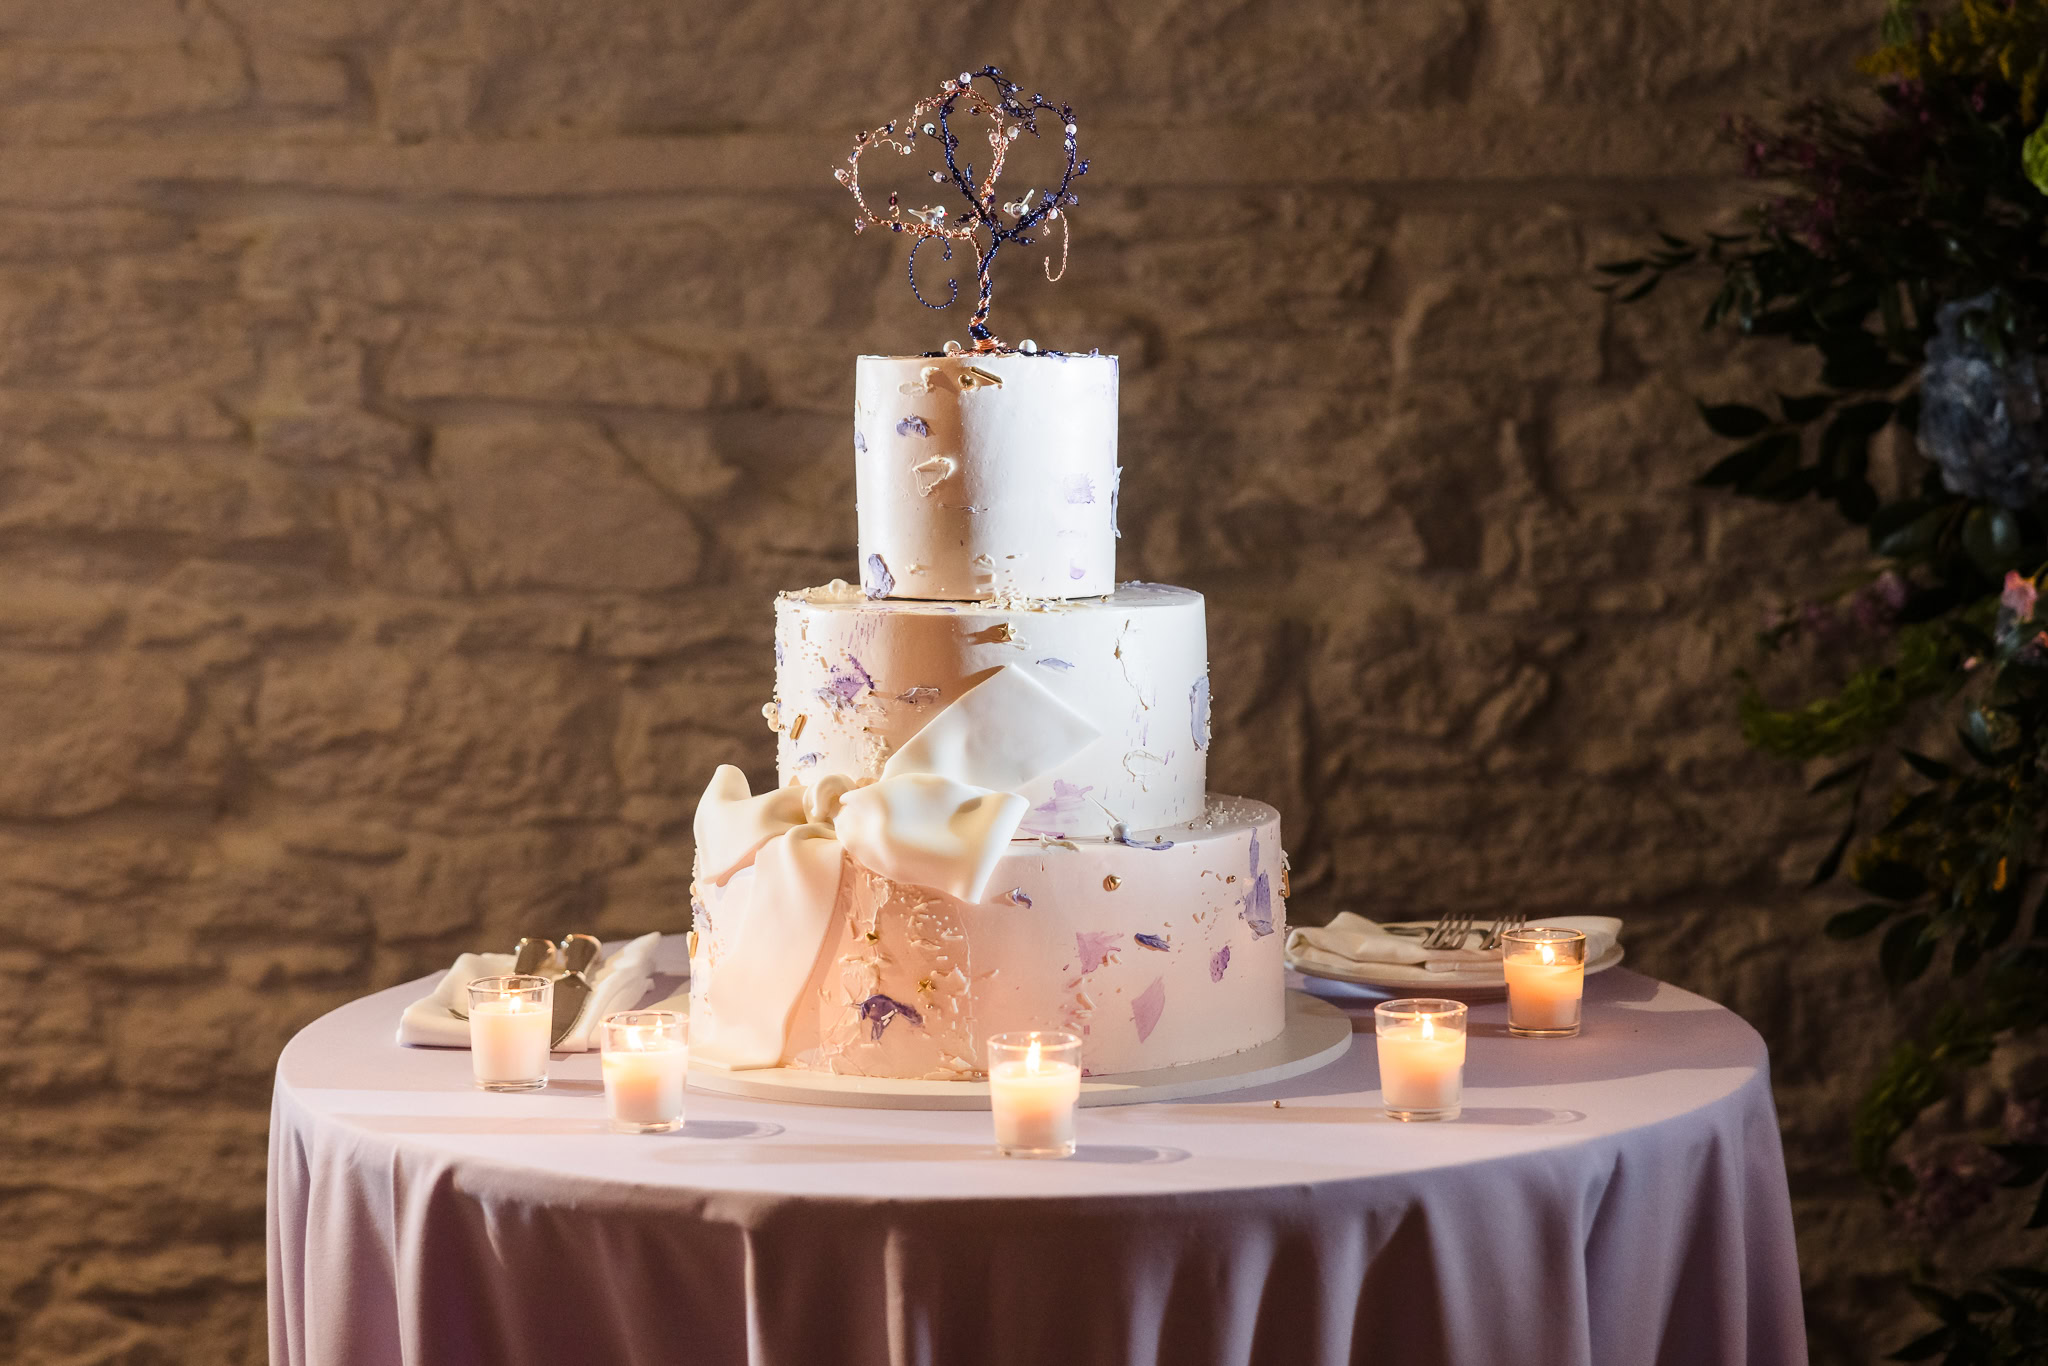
column 1316, row 1033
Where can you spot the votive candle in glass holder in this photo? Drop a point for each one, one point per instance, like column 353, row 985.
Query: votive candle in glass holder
column 1034, row 1083
column 1546, row 972
column 510, row 1019
column 1422, row 1057
column 646, row 1062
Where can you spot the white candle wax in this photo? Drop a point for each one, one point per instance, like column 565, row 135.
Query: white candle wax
column 1421, row 1067
column 1542, row 992
column 646, row 1086
column 508, row 1039
column 1034, row 1105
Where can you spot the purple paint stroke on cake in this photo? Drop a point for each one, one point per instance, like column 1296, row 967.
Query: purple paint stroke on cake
column 1075, row 571
column 860, row 443
column 1118, row 835
column 1065, row 666
column 1066, row 799
column 880, row 583
column 1079, row 488
column 1198, row 711
column 1096, row 947
column 1145, row 1008
column 878, row 1010
column 806, row 760
column 846, row 684
column 913, row 426
column 1219, row 963
column 1256, row 905
column 1153, row 941
column 1020, row 897
column 917, row 697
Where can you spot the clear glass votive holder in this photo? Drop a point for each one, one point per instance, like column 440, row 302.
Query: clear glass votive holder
column 510, row 1021
column 646, row 1063
column 1034, row 1085
column 1422, row 1057
column 1546, row 972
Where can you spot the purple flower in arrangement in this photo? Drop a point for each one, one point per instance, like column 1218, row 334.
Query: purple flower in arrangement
column 1079, row 488
column 913, row 426
column 1950, row 1183
column 2019, row 596
column 1146, row 1007
column 878, row 1010
column 1876, row 605
column 1152, row 941
column 1219, row 963
column 880, row 583
column 1198, row 711
column 1063, row 665
column 1096, row 947
column 2025, row 1121
column 846, row 683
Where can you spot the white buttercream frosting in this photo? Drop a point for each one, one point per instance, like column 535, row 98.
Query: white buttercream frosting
column 857, row 679
column 986, row 476
column 1156, row 953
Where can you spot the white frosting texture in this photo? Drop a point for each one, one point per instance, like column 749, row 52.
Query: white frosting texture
column 986, row 476
column 856, row 680
column 1156, row 954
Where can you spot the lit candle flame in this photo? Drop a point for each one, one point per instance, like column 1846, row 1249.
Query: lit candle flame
column 1031, row 1056
column 1548, row 953
column 1428, row 1027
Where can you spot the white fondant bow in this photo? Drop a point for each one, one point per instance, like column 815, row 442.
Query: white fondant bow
column 941, row 816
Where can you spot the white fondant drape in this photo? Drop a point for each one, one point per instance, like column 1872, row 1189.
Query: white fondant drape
column 1612, row 1200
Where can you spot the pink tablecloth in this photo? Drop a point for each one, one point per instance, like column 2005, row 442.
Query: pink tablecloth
column 1617, row 1198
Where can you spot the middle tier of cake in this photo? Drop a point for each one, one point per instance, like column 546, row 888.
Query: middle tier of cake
column 855, row 678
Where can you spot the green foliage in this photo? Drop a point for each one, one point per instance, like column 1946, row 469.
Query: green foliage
column 1879, row 211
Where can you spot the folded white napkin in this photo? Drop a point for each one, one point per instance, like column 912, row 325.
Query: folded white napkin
column 617, row 982
column 1351, row 941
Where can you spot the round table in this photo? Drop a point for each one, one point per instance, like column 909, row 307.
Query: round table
column 1615, row 1198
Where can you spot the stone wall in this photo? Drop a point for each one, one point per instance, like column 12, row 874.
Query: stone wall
column 408, row 407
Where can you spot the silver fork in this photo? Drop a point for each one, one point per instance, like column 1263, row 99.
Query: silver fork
column 1449, row 933
column 1513, row 920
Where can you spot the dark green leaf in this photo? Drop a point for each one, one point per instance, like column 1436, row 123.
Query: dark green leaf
column 1734, row 420
column 1931, row 769
column 1649, row 283
column 1916, row 808
column 1892, row 880
column 1992, row 538
column 1832, row 862
column 1846, row 773
column 1968, row 952
column 1905, row 951
column 1675, row 243
column 1856, row 923
column 1741, row 466
column 1621, row 267
column 1804, row 407
column 1924, row 1346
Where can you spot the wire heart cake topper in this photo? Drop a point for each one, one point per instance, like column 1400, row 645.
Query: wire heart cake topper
column 1009, row 117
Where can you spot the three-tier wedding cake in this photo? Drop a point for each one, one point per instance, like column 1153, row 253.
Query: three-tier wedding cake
column 991, row 756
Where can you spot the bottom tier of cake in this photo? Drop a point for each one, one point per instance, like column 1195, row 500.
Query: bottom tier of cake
column 1160, row 950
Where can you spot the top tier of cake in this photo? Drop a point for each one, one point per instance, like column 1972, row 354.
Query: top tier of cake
column 986, row 476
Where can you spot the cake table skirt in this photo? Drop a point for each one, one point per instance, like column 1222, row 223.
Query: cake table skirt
column 1619, row 1198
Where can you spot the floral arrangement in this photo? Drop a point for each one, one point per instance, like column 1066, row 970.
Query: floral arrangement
column 1008, row 116
column 1905, row 242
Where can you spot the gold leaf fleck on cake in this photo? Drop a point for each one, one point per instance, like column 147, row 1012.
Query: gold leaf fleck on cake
column 691, row 940
column 796, row 727
column 1285, row 888
column 1111, row 883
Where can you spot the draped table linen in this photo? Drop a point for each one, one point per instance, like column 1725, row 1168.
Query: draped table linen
column 1618, row 1199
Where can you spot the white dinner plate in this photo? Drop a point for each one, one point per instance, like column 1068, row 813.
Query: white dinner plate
column 1402, row 976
